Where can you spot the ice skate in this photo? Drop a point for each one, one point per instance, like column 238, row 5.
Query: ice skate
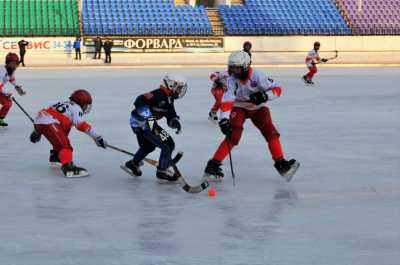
column 213, row 171
column 287, row 169
column 54, row 160
column 132, row 168
column 3, row 123
column 72, row 171
column 166, row 176
column 213, row 117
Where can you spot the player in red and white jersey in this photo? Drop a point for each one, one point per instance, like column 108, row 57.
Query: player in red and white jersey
column 55, row 123
column 247, row 92
column 7, row 86
column 219, row 85
column 312, row 60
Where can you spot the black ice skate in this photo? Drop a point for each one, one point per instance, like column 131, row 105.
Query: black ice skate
column 166, row 176
column 54, row 160
column 213, row 117
column 307, row 82
column 3, row 123
column 72, row 171
column 132, row 168
column 287, row 169
column 213, row 171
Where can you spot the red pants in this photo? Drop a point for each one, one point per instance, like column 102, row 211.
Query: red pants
column 218, row 93
column 261, row 118
column 58, row 138
column 6, row 103
column 312, row 72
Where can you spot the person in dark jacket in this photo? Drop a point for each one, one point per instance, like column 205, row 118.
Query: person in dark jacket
column 22, row 50
column 108, row 44
column 98, row 44
column 77, row 47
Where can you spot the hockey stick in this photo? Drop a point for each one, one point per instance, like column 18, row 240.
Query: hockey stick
column 331, row 58
column 22, row 109
column 185, row 186
column 231, row 162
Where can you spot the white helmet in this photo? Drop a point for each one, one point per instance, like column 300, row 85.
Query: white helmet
column 239, row 59
column 177, row 84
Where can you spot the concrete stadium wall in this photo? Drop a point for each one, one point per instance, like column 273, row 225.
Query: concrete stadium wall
column 267, row 51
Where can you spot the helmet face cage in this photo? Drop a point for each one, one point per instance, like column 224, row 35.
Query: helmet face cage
column 87, row 109
column 239, row 60
column 177, row 85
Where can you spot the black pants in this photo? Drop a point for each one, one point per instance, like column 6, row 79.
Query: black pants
column 97, row 54
column 78, row 54
column 149, row 140
column 22, row 57
column 108, row 57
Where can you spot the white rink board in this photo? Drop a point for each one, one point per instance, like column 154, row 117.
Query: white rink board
column 341, row 208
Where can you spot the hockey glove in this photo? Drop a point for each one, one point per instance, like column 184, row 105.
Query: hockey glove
column 20, row 91
column 259, row 97
column 35, row 137
column 175, row 124
column 226, row 127
column 324, row 60
column 100, row 142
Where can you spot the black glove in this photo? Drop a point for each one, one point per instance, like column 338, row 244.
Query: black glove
column 175, row 124
column 259, row 97
column 100, row 142
column 226, row 127
column 324, row 60
column 35, row 137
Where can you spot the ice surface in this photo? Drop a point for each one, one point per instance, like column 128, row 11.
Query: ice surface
column 342, row 208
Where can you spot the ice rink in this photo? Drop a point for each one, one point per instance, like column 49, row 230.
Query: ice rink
column 342, row 208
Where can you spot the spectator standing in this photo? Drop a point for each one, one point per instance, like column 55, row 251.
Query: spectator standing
column 98, row 44
column 247, row 48
column 108, row 44
column 22, row 51
column 77, row 47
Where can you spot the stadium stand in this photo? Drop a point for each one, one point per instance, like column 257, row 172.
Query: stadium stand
column 143, row 17
column 372, row 16
column 284, row 17
column 39, row 18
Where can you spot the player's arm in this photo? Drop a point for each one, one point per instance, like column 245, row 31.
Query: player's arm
column 173, row 119
column 85, row 127
column 17, row 87
column 268, row 90
column 227, row 103
column 142, row 113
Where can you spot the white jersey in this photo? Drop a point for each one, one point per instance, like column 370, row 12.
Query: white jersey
column 220, row 78
column 67, row 114
column 7, row 83
column 312, row 58
column 238, row 92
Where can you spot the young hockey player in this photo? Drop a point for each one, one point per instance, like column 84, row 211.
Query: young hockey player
column 217, row 90
column 149, row 108
column 312, row 60
column 247, row 92
column 55, row 123
column 7, row 84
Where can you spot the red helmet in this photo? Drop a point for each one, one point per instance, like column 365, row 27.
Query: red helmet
column 247, row 43
column 317, row 43
column 83, row 98
column 12, row 57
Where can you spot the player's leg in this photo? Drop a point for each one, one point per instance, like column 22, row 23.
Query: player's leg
column 311, row 73
column 262, row 120
column 58, row 138
column 6, row 104
column 145, row 147
column 238, row 118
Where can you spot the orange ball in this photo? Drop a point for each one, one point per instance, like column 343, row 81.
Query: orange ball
column 212, row 192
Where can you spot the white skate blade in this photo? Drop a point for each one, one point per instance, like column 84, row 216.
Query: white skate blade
column 212, row 178
column 81, row 174
column 289, row 175
column 127, row 170
column 55, row 164
column 167, row 182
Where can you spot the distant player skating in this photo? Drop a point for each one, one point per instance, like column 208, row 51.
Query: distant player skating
column 7, row 85
column 247, row 92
